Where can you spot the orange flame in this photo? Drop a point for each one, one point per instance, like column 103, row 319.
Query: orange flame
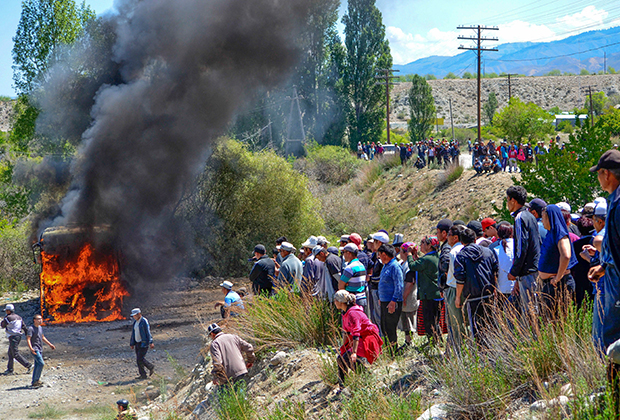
column 85, row 290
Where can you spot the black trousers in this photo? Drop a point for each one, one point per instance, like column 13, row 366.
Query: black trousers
column 389, row 321
column 431, row 313
column 479, row 318
column 141, row 361
column 344, row 365
column 14, row 341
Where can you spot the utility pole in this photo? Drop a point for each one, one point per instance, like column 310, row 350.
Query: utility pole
column 478, row 48
column 451, row 120
column 386, row 76
column 604, row 62
column 591, row 107
column 509, row 85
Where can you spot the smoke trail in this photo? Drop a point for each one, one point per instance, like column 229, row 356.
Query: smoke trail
column 183, row 68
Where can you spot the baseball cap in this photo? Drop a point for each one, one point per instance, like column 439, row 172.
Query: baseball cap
column 260, row 249
column 563, row 205
column 350, row 247
column 213, row 328
column 538, row 205
column 609, row 160
column 486, row 222
column 601, row 209
column 9, row 307
column 333, row 250
column 356, row 239
column 381, row 237
column 322, row 240
column 135, row 311
column 345, row 238
column 317, row 250
column 444, row 224
column 226, row 285
column 311, row 242
column 476, row 226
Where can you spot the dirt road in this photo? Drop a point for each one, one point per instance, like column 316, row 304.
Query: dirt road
column 93, row 365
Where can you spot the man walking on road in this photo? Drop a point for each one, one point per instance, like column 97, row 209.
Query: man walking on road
column 141, row 340
column 36, row 338
column 13, row 324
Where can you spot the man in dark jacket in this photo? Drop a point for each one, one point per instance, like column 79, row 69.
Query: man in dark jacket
column 444, row 252
column 263, row 272
column 141, row 340
column 527, row 247
column 475, row 271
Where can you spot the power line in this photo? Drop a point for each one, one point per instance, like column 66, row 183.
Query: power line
column 557, row 56
column 479, row 49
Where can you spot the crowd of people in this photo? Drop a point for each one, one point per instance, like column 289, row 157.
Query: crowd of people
column 505, row 157
column 453, row 280
column 429, row 151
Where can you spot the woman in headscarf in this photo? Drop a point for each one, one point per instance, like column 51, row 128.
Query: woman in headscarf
column 361, row 335
column 556, row 258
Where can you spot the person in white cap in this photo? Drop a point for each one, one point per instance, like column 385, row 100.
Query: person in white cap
column 13, row 324
column 374, row 275
column 232, row 303
column 309, row 266
column 291, row 269
column 227, row 355
column 141, row 339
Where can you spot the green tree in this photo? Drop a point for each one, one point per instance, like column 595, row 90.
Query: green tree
column 564, row 175
column 367, row 51
column 450, row 75
column 554, row 72
column 430, row 77
column 599, row 100
column 611, row 70
column 521, row 120
column 468, row 75
column 611, row 120
column 421, row 109
column 584, row 72
column 44, row 27
column 490, row 106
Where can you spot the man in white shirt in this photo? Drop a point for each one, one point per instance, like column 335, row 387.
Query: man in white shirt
column 456, row 324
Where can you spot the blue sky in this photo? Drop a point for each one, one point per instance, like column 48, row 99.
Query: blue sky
column 417, row 28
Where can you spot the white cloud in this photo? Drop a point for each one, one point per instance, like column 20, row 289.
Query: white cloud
column 407, row 47
column 590, row 15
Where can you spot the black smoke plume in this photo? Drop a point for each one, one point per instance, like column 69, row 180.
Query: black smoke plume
column 174, row 74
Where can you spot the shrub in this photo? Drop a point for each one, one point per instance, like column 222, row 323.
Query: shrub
column 370, row 172
column 344, row 211
column 17, row 269
column 245, row 198
column 331, row 164
column 520, row 356
column 288, row 320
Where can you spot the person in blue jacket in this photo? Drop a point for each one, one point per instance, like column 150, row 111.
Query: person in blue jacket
column 141, row 340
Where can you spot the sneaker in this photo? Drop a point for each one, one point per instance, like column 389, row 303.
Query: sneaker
column 37, row 384
column 140, row 378
column 151, row 370
column 7, row 372
column 29, row 371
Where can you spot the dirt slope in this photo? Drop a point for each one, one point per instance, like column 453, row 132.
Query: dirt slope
column 412, row 202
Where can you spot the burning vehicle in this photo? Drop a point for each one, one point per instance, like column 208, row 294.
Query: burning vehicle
column 80, row 276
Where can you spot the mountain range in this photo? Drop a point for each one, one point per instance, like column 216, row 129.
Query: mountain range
column 570, row 55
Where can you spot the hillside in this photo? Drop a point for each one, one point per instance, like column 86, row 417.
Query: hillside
column 6, row 108
column 582, row 51
column 411, row 202
column 565, row 92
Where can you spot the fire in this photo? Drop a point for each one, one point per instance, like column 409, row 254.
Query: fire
column 81, row 290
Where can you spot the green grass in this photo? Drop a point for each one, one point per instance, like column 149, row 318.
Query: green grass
column 288, row 411
column 47, row 412
column 178, row 368
column 289, row 320
column 234, row 404
column 100, row 412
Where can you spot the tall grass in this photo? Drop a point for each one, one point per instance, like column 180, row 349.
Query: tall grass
column 233, row 403
column 522, row 356
column 290, row 319
column 373, row 170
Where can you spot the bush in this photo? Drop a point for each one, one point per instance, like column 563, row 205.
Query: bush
column 289, row 320
column 371, row 172
column 245, row 198
column 17, row 269
column 331, row 164
column 522, row 355
column 344, row 211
